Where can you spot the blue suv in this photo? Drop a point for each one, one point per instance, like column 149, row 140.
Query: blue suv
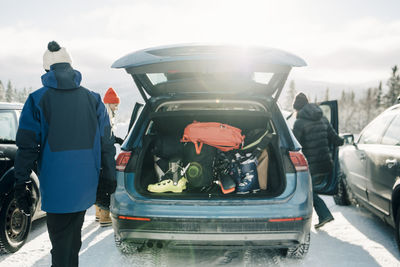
column 211, row 83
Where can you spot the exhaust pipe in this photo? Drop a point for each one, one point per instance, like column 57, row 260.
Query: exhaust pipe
column 150, row 244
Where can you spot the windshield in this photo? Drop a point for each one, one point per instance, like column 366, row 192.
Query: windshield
column 8, row 126
column 159, row 78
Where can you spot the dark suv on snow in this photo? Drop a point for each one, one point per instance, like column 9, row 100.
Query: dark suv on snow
column 14, row 226
column 226, row 84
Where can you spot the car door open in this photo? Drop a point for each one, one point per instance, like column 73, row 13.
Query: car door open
column 329, row 186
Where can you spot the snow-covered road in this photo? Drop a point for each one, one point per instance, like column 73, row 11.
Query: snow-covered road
column 354, row 238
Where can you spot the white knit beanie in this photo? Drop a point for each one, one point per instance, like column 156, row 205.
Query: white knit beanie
column 55, row 54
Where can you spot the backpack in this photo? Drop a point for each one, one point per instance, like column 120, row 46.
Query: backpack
column 200, row 171
column 219, row 135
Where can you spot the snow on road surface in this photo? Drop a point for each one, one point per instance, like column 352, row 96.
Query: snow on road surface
column 354, row 238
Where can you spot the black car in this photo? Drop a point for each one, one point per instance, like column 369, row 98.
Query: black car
column 14, row 226
column 370, row 168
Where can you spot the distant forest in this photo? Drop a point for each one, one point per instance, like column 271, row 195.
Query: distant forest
column 355, row 112
column 12, row 94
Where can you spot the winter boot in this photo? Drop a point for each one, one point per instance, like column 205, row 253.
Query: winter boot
column 168, row 186
column 249, row 183
column 324, row 221
column 97, row 216
column 235, row 172
column 105, row 219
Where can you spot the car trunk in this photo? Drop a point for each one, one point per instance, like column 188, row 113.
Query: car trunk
column 170, row 119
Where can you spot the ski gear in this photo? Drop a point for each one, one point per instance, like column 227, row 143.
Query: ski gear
column 168, row 186
column 227, row 184
column 219, row 135
column 200, row 171
column 249, row 180
column 249, row 183
column 235, row 171
column 23, row 197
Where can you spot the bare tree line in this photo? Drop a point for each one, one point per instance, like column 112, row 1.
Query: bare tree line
column 355, row 112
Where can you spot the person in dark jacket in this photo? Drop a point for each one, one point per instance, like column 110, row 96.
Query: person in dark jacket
column 315, row 134
column 64, row 128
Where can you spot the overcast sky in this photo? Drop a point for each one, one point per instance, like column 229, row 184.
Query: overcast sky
column 350, row 41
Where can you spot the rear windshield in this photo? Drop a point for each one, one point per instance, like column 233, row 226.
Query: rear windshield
column 257, row 77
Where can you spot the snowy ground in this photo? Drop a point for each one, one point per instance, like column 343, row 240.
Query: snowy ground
column 354, row 238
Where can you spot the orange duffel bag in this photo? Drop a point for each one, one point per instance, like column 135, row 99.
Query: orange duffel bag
column 219, row 135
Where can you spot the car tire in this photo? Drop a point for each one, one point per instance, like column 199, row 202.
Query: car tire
column 299, row 251
column 127, row 247
column 398, row 228
column 342, row 196
column 14, row 226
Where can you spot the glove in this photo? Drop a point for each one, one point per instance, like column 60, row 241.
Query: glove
column 119, row 140
column 339, row 141
column 104, row 190
column 23, row 197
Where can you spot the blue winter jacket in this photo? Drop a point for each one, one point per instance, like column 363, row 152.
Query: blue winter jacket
column 65, row 128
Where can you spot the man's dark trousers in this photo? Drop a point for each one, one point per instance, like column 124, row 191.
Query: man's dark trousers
column 65, row 236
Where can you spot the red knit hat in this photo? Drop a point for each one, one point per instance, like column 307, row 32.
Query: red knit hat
column 111, row 97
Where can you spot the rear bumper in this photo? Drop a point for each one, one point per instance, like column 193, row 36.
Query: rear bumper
column 210, row 223
column 213, row 233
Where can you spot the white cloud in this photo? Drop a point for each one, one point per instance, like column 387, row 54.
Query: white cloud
column 343, row 51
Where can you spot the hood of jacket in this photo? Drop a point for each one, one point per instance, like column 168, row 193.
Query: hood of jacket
column 62, row 76
column 310, row 112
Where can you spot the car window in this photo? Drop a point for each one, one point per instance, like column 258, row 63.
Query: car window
column 258, row 77
column 391, row 136
column 374, row 131
column 8, row 125
column 326, row 111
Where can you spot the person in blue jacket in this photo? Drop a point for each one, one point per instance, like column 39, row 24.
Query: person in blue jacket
column 64, row 128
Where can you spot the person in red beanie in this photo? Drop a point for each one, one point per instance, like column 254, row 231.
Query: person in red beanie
column 111, row 101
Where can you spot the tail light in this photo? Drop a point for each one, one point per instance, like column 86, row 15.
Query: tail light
column 286, row 219
column 298, row 160
column 134, row 218
column 122, row 160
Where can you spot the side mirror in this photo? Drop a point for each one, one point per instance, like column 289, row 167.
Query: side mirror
column 348, row 138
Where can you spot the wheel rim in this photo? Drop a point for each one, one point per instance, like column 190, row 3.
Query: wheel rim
column 16, row 223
